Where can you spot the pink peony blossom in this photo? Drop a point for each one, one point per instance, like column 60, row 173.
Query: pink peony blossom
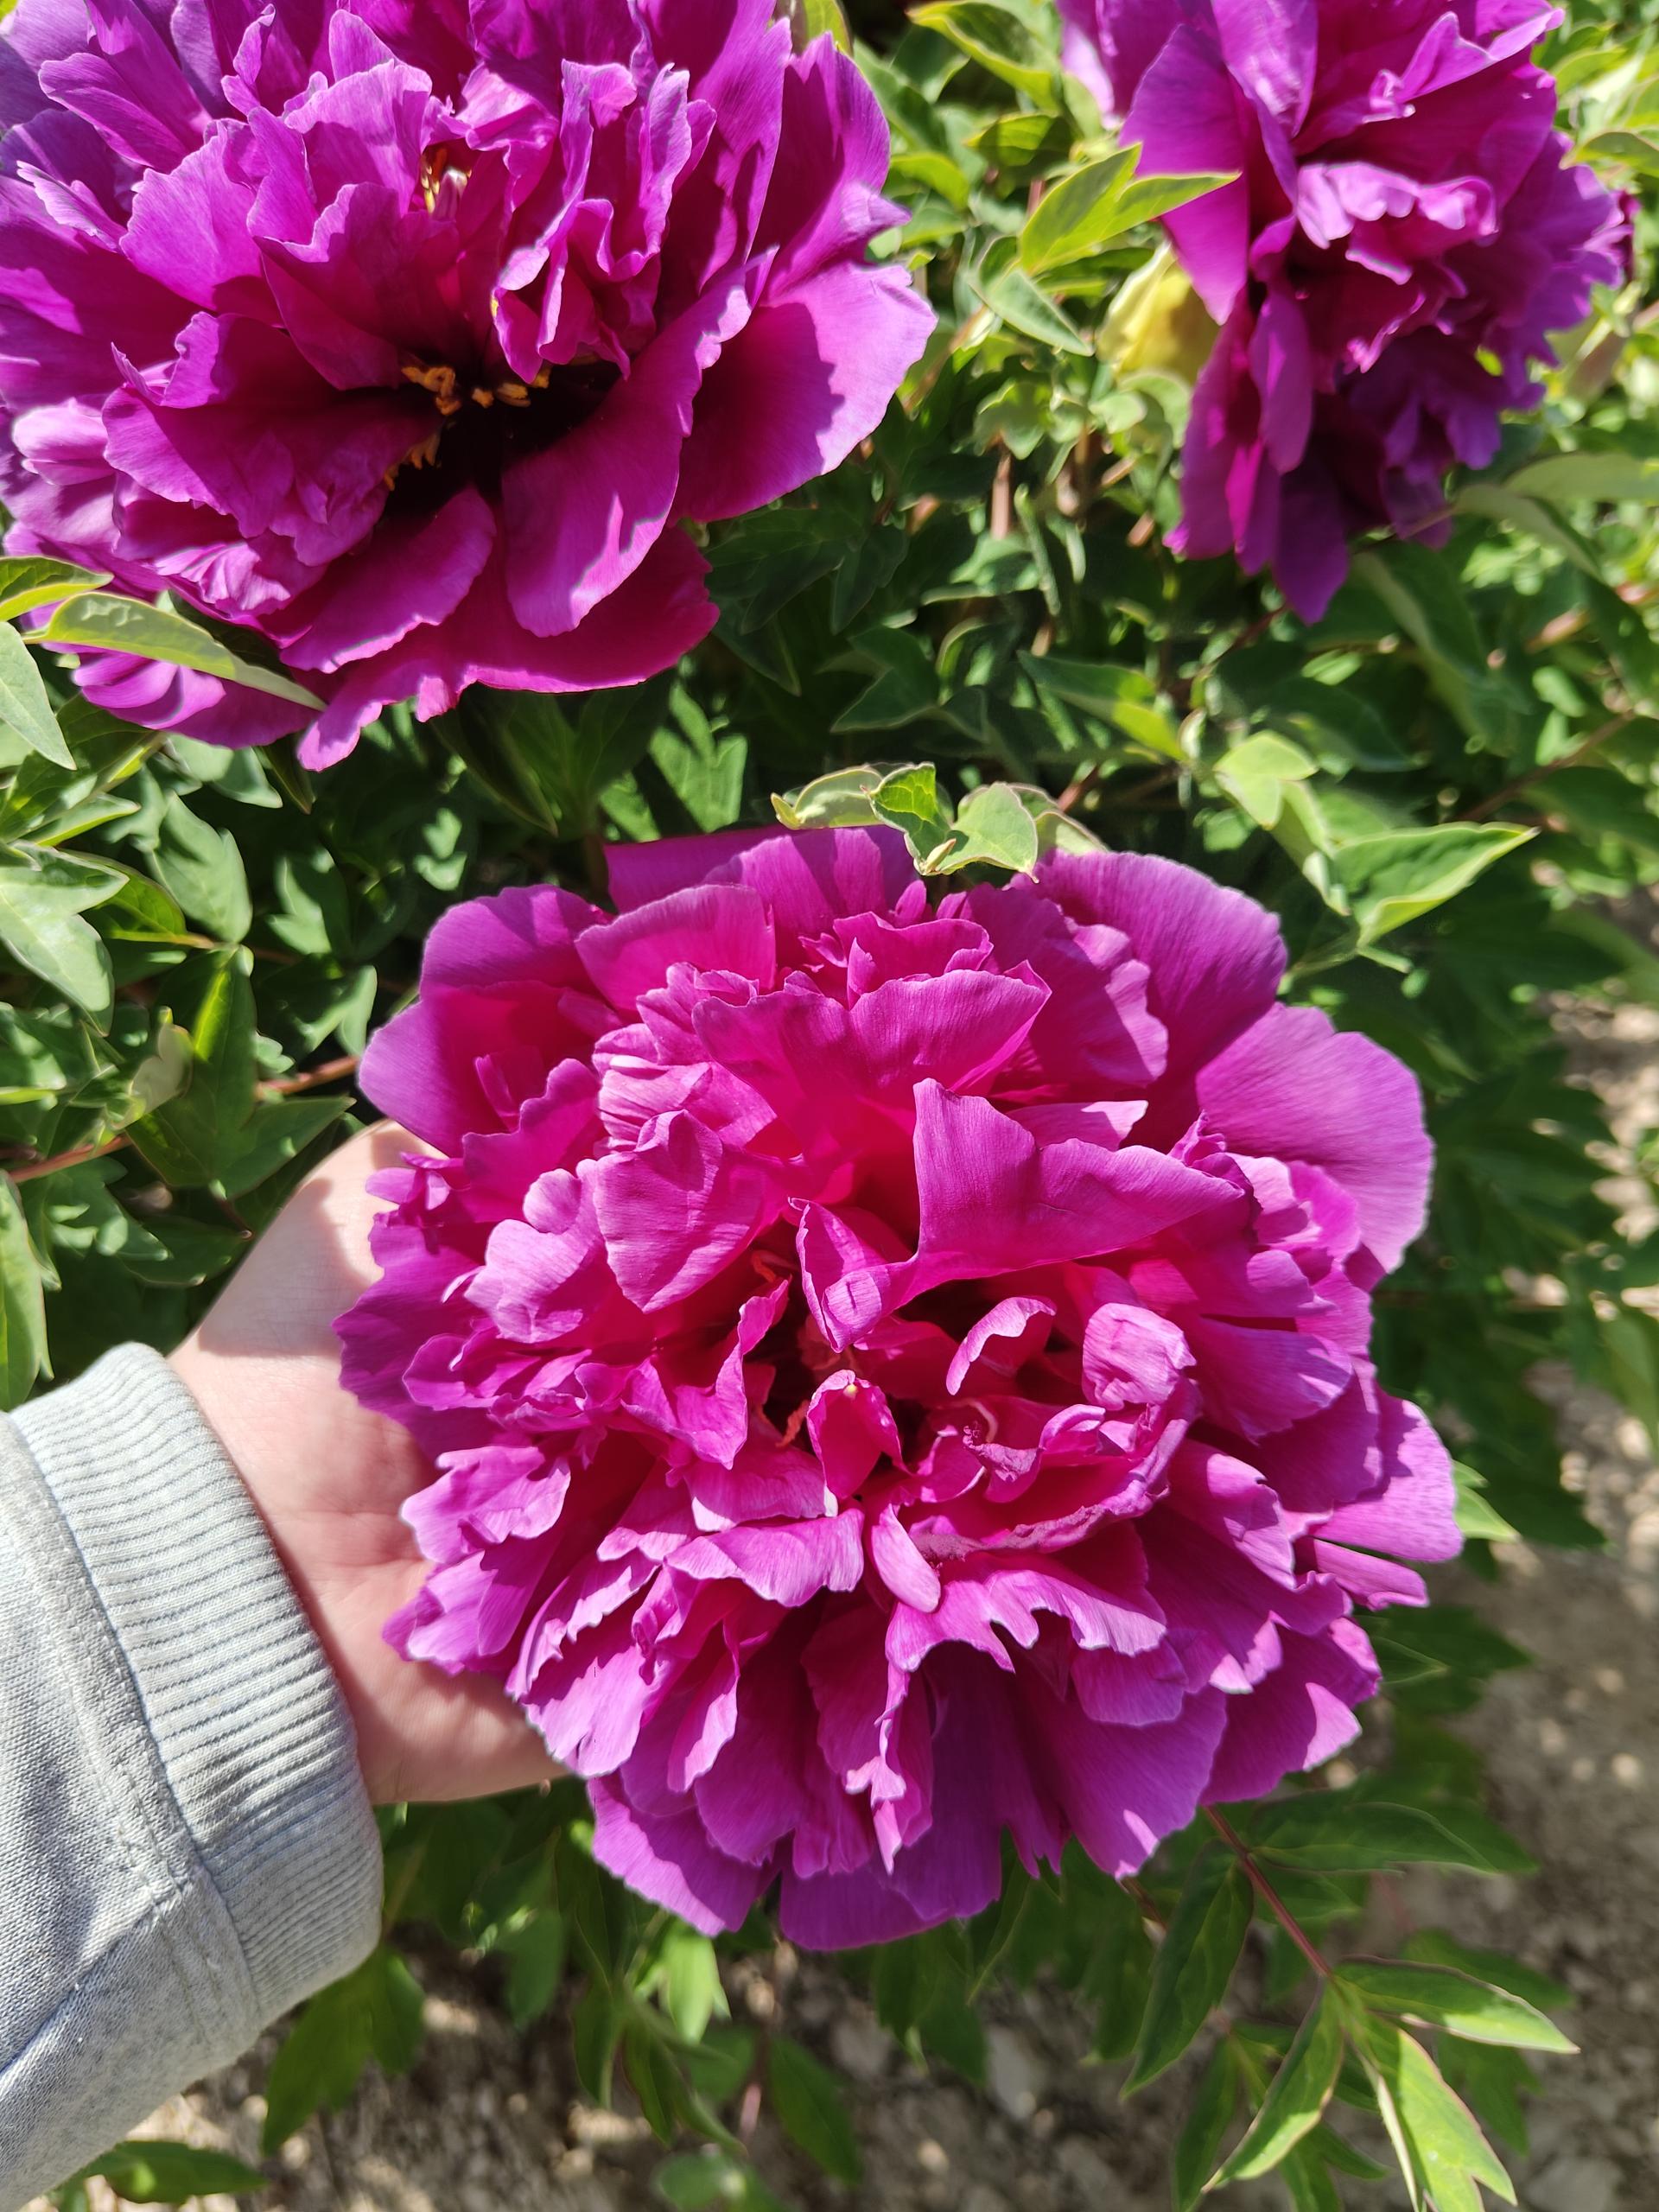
column 405, row 335
column 897, row 1371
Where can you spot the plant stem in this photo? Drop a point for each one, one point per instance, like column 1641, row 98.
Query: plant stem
column 1581, row 752
column 1265, row 1891
column 282, row 1086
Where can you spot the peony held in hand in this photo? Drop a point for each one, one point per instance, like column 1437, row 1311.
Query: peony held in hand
column 898, row 1372
column 405, row 332
column 1405, row 232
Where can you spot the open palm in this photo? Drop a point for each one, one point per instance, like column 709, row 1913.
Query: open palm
column 330, row 1478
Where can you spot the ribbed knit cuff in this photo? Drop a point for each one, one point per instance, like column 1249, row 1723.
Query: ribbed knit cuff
column 249, row 1723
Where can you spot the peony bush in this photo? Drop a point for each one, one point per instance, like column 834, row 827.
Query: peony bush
column 944, row 698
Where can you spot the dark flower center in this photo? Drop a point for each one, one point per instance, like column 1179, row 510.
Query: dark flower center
column 487, row 421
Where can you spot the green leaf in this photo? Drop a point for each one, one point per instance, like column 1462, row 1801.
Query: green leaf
column 1432, row 1947
column 997, row 830
column 1597, row 476
column 1195, row 1962
column 43, row 895
column 696, row 2181
column 195, row 1137
column 1253, row 775
column 843, row 799
column 27, row 583
column 908, row 799
column 1199, row 2145
column 127, row 625
column 653, row 2078
column 807, row 2097
column 1441, row 2150
column 908, row 685
column 810, row 19
column 1296, row 2099
column 1441, row 1997
column 276, row 1131
column 1342, row 1832
column 1074, row 211
column 1502, row 503
column 537, row 1948
column 23, row 1305
column 25, row 706
column 595, row 2032
column 1123, row 696
column 171, row 2173
column 1016, row 301
column 1424, row 595
column 995, row 37
column 1396, row 879
column 1083, row 213
column 691, row 1990
column 375, row 2013
column 202, row 868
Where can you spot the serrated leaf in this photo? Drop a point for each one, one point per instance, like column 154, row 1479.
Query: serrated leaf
column 25, row 705
column 807, row 2097
column 170, row 2173
column 1296, row 2097
column 1444, row 1997
column 128, row 626
column 1195, row 1962
column 22, row 1305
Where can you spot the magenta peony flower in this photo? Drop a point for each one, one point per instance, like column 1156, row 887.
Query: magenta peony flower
column 1404, row 235
column 898, row 1372
column 406, row 334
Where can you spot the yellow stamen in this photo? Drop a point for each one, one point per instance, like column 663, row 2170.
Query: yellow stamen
column 482, row 395
column 437, row 377
column 512, row 393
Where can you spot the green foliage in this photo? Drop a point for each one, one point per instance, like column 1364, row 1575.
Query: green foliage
column 160, row 2173
column 1444, row 790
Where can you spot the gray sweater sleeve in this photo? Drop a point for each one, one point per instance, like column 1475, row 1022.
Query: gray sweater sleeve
column 186, row 1845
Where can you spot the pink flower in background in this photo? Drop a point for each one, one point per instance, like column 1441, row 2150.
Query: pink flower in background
column 1405, row 233
column 898, row 1373
column 405, row 335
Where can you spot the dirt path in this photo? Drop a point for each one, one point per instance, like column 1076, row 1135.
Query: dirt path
column 489, row 2121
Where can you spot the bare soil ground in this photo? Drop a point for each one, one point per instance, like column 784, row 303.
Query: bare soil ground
column 490, row 2120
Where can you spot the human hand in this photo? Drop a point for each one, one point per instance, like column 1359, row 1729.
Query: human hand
column 329, row 1479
